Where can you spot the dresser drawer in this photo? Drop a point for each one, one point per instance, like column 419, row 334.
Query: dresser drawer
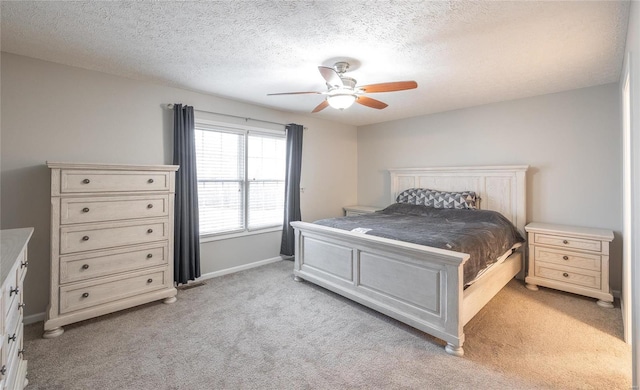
column 12, row 290
column 568, row 242
column 13, row 358
column 569, row 275
column 83, row 210
column 85, row 266
column 568, row 258
column 85, row 295
column 14, row 315
column 78, row 181
column 103, row 236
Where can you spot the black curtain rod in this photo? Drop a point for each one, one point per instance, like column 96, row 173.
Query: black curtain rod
column 170, row 107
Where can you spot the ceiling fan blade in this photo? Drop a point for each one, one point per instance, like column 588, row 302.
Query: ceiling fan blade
column 294, row 93
column 373, row 103
column 321, row 106
column 331, row 76
column 389, row 87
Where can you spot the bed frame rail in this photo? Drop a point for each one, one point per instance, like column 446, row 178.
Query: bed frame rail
column 383, row 274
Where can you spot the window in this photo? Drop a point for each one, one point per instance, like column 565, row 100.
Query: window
column 240, row 179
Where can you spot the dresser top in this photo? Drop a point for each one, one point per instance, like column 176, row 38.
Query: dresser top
column 12, row 243
column 122, row 167
column 549, row 228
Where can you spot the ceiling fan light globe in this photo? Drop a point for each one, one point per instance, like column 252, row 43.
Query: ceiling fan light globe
column 341, row 101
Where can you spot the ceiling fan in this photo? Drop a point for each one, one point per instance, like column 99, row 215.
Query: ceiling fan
column 342, row 91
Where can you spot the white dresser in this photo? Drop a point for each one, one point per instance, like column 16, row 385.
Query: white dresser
column 570, row 258
column 13, row 268
column 111, row 239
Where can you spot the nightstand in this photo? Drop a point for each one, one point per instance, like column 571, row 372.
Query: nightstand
column 570, row 258
column 360, row 210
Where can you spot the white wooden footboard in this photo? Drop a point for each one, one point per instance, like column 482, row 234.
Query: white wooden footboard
column 418, row 285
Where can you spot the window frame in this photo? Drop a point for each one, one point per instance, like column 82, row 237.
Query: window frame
column 203, row 125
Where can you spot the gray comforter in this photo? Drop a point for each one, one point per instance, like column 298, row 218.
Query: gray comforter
column 485, row 235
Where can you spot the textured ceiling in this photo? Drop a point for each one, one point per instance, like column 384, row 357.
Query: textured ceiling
column 461, row 53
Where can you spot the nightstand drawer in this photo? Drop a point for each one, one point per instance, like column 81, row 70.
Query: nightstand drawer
column 568, row 242
column 568, row 258
column 569, row 275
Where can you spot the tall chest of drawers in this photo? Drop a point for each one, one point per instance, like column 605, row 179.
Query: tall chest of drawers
column 111, row 239
column 13, row 268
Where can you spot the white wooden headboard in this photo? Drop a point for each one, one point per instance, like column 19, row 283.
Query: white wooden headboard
column 500, row 188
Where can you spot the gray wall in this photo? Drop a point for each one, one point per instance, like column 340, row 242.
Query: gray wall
column 570, row 140
column 59, row 113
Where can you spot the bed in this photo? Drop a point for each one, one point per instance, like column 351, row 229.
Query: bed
column 419, row 285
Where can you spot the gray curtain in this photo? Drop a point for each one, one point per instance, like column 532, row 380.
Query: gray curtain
column 292, row 187
column 186, row 254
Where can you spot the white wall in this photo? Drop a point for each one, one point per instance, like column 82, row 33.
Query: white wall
column 60, row 113
column 632, row 51
column 570, row 140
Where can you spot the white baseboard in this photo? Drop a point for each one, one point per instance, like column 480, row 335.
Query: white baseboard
column 33, row 318
column 211, row 275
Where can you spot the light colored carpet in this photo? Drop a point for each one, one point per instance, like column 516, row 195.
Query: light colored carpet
column 258, row 329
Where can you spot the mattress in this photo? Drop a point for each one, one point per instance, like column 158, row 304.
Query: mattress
column 487, row 236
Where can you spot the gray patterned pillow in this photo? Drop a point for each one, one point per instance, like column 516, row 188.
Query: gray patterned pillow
column 438, row 199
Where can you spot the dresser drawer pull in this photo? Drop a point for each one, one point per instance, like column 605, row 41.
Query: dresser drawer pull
column 150, row 181
column 149, row 280
column 3, row 370
column 149, row 231
column 21, row 305
column 149, row 206
column 565, row 257
column 11, row 338
column 85, row 210
column 566, row 275
column 149, row 255
column 85, row 295
column 85, row 238
column 86, row 181
column 565, row 242
column 24, row 264
column 13, row 291
column 21, row 351
column 85, row 266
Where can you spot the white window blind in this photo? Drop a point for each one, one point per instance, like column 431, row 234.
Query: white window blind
column 240, row 180
column 266, row 169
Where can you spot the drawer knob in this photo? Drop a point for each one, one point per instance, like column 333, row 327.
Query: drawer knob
column 22, row 351
column 85, row 295
column 86, row 181
column 13, row 291
column 85, row 238
column 149, row 280
column 566, row 275
column 21, row 305
column 24, row 264
column 85, row 210
column 3, row 370
column 150, row 181
column 85, row 266
column 565, row 257
column 11, row 338
column 149, row 255
column 149, row 231
column 149, row 206
column 565, row 242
